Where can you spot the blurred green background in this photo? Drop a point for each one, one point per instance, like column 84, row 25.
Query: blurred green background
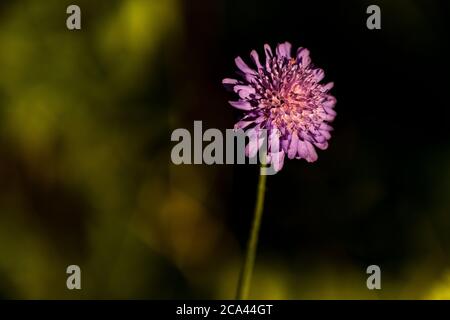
column 86, row 177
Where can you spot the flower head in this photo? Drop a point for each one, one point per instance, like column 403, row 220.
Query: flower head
column 284, row 98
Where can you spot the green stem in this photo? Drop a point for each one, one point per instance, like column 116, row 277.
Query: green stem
column 247, row 270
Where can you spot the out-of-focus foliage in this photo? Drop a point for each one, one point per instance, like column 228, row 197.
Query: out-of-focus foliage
column 80, row 146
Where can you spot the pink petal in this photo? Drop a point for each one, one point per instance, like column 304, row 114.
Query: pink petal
column 293, row 147
column 327, row 87
column 329, row 103
column 284, row 50
column 322, row 145
column 254, row 144
column 302, row 149
column 243, row 105
column 303, row 57
column 244, row 91
column 312, row 154
column 319, row 74
column 324, row 126
column 269, row 55
column 244, row 67
column 242, row 124
column 325, row 134
column 229, row 81
column 277, row 159
column 274, row 141
column 255, row 58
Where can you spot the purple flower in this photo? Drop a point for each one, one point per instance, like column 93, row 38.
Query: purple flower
column 285, row 98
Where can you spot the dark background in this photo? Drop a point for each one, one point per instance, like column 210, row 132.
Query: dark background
column 86, row 176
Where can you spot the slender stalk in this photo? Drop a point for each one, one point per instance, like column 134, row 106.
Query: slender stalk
column 247, row 270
